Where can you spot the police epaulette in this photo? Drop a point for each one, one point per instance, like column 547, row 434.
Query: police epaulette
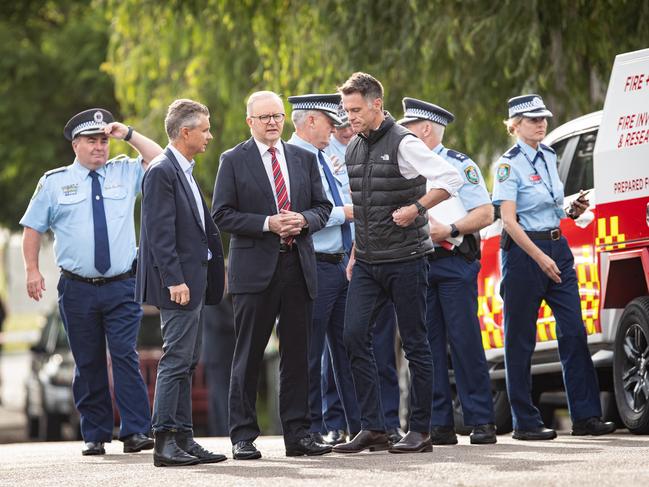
column 54, row 171
column 457, row 155
column 548, row 148
column 119, row 158
column 512, row 152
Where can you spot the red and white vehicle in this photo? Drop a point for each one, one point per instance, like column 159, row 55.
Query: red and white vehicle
column 606, row 152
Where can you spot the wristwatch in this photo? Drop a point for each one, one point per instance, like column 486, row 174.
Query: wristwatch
column 454, row 231
column 129, row 133
column 421, row 209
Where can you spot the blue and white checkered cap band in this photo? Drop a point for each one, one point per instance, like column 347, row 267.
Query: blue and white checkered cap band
column 88, row 126
column 534, row 104
column 311, row 105
column 419, row 113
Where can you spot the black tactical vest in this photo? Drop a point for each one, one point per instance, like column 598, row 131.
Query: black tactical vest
column 378, row 188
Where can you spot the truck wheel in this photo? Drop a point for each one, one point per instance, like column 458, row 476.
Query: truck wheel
column 631, row 366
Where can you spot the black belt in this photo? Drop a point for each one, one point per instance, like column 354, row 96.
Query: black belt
column 441, row 253
column 286, row 248
column 96, row 281
column 554, row 234
column 331, row 258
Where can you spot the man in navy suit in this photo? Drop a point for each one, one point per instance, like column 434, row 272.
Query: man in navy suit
column 180, row 268
column 269, row 197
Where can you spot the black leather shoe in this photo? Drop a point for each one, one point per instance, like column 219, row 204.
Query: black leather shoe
column 93, row 448
column 335, row 437
column 186, row 442
column 365, row 440
column 483, row 434
column 592, row 426
column 443, row 435
column 317, row 437
column 537, row 434
column 394, row 435
column 413, row 442
column 167, row 453
column 245, row 450
column 137, row 442
column 307, row 446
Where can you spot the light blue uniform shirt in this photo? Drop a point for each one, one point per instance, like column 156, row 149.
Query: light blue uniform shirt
column 473, row 192
column 63, row 202
column 329, row 239
column 533, row 184
column 336, row 148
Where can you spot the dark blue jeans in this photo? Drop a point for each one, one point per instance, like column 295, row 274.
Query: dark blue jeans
column 405, row 284
column 181, row 346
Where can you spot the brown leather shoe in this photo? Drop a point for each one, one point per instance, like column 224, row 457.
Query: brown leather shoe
column 413, row 442
column 365, row 440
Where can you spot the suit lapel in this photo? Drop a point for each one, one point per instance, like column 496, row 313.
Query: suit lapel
column 188, row 190
column 258, row 172
column 293, row 173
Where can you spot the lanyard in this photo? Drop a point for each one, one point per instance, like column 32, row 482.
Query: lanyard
column 549, row 188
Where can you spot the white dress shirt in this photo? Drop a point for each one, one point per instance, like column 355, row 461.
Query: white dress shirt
column 267, row 159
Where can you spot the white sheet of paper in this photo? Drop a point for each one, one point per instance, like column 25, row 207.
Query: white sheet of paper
column 449, row 211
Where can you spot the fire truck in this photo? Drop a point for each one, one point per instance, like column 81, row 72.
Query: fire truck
column 607, row 153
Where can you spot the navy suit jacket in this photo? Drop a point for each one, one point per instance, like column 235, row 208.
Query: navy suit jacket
column 244, row 197
column 173, row 242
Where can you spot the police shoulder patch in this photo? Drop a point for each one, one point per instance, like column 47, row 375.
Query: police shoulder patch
column 548, row 148
column 471, row 173
column 512, row 152
column 457, row 155
column 503, row 172
column 54, row 171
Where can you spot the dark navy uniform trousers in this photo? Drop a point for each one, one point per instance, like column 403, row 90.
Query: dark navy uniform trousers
column 96, row 316
column 524, row 286
column 451, row 317
column 386, row 363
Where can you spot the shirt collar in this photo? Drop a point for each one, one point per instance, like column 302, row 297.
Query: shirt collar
column 263, row 148
column 438, row 148
column 300, row 142
column 529, row 150
column 83, row 171
column 333, row 141
column 185, row 165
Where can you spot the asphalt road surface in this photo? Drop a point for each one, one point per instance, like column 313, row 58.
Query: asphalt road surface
column 616, row 460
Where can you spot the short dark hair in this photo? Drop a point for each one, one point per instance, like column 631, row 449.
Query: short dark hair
column 367, row 85
column 183, row 113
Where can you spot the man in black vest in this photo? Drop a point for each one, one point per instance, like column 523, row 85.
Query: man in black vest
column 388, row 168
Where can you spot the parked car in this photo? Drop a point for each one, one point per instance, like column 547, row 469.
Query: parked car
column 49, row 405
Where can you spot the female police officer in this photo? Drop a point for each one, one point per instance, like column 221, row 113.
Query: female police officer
column 537, row 264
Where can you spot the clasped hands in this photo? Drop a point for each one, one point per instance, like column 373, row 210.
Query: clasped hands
column 286, row 223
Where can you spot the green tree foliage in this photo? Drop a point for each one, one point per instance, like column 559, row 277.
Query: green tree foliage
column 50, row 58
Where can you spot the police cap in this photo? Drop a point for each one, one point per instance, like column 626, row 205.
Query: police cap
column 414, row 110
column 327, row 104
column 528, row 106
column 88, row 122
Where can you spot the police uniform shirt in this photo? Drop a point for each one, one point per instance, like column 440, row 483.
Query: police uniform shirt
column 530, row 178
column 63, row 202
column 329, row 239
column 473, row 192
column 336, row 148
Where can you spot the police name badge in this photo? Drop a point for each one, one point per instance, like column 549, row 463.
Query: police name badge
column 503, row 171
column 471, row 174
column 70, row 189
column 535, row 178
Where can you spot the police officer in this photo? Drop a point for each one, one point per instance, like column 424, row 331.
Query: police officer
column 537, row 264
column 89, row 207
column 314, row 117
column 452, row 301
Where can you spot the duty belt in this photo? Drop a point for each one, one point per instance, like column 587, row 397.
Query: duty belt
column 96, row 281
column 554, row 234
column 331, row 258
column 441, row 253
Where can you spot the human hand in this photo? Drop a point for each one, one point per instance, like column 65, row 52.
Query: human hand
column 438, row 231
column 35, row 284
column 350, row 267
column 579, row 205
column 349, row 212
column 549, row 267
column 116, row 130
column 179, row 294
column 405, row 215
column 286, row 223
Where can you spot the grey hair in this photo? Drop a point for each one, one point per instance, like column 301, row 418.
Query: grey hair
column 183, row 113
column 258, row 95
column 299, row 117
column 512, row 123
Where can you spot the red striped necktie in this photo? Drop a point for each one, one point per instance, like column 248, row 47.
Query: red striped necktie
column 283, row 203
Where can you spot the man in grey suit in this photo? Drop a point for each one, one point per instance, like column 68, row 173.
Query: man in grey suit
column 180, row 268
column 269, row 197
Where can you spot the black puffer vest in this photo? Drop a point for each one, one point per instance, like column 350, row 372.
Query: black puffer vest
column 378, row 188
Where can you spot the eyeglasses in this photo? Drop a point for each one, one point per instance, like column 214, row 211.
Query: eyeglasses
column 277, row 117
